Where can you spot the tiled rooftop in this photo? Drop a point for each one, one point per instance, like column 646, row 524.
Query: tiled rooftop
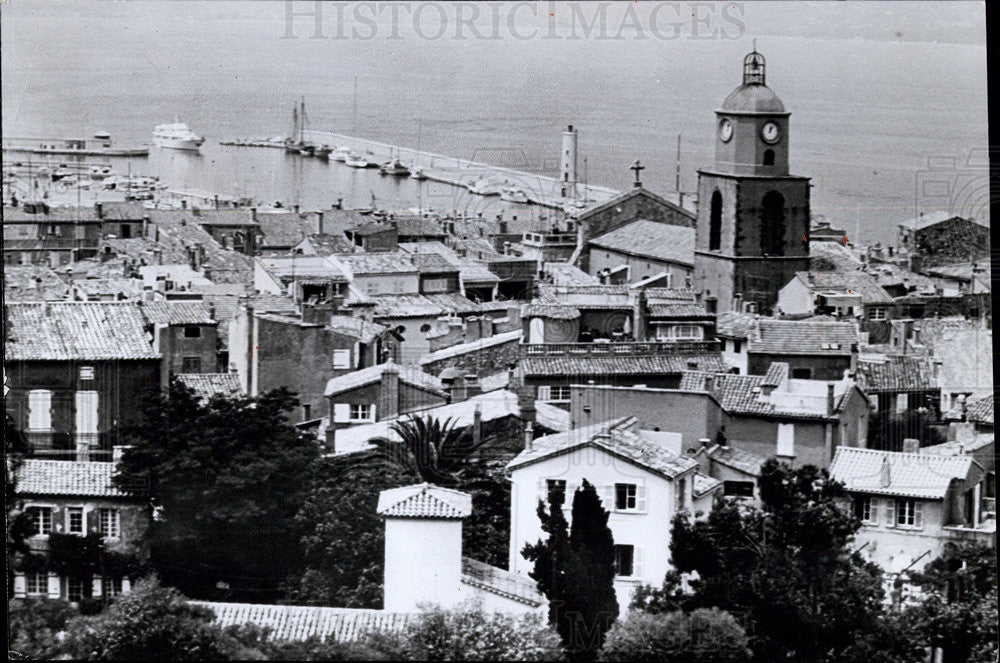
column 77, row 330
column 678, row 311
column 424, row 501
column 966, row 360
column 553, row 311
column 501, row 582
column 853, row 282
column 177, row 313
column 783, row 337
column 362, row 264
column 416, row 306
column 703, row 485
column 659, row 241
column 737, row 459
column 925, row 476
column 621, row 365
column 32, row 283
column 980, row 410
column 206, row 385
column 327, row 243
column 62, row 477
column 408, row 374
column 551, row 416
column 657, row 295
column 299, row 267
column 895, row 373
column 614, row 437
column 565, row 274
column 359, row 328
column 296, row 622
column 471, row 346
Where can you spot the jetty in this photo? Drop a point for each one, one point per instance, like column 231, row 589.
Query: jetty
column 99, row 145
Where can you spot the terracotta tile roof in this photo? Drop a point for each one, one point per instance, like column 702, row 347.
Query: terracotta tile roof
column 678, row 311
column 432, row 263
column 855, row 282
column 226, row 307
column 116, row 287
column 742, row 394
column 621, row 365
column 424, row 500
column 552, row 417
column 895, row 373
column 472, row 346
column 932, row 219
column 966, row 361
column 62, row 477
column 298, row 622
column 498, row 581
column 327, row 243
column 300, row 267
column 361, row 264
column 177, row 313
column 284, row 229
column 658, row 295
column 926, row 476
column 553, row 311
column 980, row 410
column 633, row 193
column 737, row 459
column 703, row 485
column 565, row 274
column 734, row 325
column 649, row 239
column 614, row 437
column 359, row 328
column 417, row 306
column 62, row 331
column 32, row 283
column 833, row 253
column 786, row 337
column 206, row 385
column 408, row 374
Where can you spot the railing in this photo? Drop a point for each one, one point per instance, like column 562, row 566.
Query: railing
column 629, row 349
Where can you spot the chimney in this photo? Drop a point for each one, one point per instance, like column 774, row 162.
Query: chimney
column 911, row 446
column 472, row 329
column 158, row 256
column 472, row 386
column 388, row 392
column 477, row 425
column 99, row 209
column 253, row 214
column 82, row 452
column 319, row 222
column 529, row 436
column 830, row 400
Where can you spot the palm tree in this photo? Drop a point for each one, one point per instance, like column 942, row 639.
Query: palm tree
column 440, row 452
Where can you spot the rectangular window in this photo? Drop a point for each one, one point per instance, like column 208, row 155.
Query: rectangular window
column 361, row 412
column 687, row 332
column 436, row 285
column 561, row 394
column 866, row 509
column 112, row 586
column 802, row 373
column 544, row 393
column 110, row 523
column 625, row 496
column 86, row 412
column 624, row 560
column 74, row 520
column 39, row 410
column 86, row 372
column 74, row 589
column 40, row 518
column 737, row 344
column 786, row 440
column 737, row 488
column 192, row 331
column 191, row 365
column 909, row 513
column 555, row 487
column 342, row 358
column 36, row 583
column 876, row 313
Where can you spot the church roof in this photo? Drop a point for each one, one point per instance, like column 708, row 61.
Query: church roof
column 753, row 98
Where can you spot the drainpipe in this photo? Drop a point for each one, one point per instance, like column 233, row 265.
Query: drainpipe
column 250, row 348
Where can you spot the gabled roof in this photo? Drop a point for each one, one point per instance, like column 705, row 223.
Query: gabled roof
column 732, row 324
column 407, row 374
column 66, row 477
column 472, row 346
column 359, row 328
column 788, row 337
column 501, row 582
column 980, row 410
column 62, row 331
column 631, row 193
column 737, row 459
column 613, row 437
column 299, row 622
column 326, row 243
column 206, row 385
column 650, row 239
column 300, row 267
column 552, row 417
column 926, row 476
column 177, row 313
column 432, row 263
column 363, row 264
column 743, row 394
column 932, row 219
column 855, row 282
column 621, row 365
column 424, row 500
column 895, row 373
column 703, row 485
column 416, row 306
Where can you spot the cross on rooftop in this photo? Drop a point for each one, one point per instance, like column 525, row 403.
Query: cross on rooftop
column 637, row 167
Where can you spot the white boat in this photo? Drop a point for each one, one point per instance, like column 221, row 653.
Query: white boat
column 514, row 194
column 355, row 161
column 100, row 172
column 394, row 167
column 485, row 186
column 176, row 136
column 417, row 173
column 341, row 153
column 62, row 172
column 322, row 151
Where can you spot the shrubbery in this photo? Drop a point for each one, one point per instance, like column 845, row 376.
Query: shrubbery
column 32, row 625
column 702, row 635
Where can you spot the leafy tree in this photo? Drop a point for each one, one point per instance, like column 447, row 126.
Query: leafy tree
column 576, row 571
column 32, row 625
column 312, row 648
column 16, row 448
column 223, row 480
column 959, row 610
column 701, row 636
column 153, row 623
column 342, row 536
column 786, row 568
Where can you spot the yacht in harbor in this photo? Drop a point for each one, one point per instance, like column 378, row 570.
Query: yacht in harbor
column 485, row 186
column 514, row 194
column 341, row 153
column 417, row 173
column 394, row 167
column 176, row 136
column 356, row 161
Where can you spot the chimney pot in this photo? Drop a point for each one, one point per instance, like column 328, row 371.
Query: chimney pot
column 911, row 445
column 830, row 399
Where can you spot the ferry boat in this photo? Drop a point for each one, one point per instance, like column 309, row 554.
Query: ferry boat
column 176, row 136
column 514, row 194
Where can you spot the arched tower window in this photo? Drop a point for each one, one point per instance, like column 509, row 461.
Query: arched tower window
column 772, row 224
column 768, row 157
column 715, row 223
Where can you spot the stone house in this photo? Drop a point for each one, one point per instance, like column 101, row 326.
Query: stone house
column 185, row 334
column 944, row 238
column 900, row 383
column 642, row 249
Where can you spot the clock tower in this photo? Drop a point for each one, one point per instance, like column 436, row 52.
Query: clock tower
column 753, row 216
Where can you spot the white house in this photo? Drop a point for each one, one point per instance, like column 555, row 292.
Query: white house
column 641, row 483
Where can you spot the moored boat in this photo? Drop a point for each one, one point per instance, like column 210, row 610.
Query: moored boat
column 514, row 194
column 394, row 167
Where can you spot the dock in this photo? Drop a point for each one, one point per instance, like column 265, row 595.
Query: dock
column 98, row 146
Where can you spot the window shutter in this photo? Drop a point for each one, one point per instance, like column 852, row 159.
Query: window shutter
column 54, row 586
column 91, row 520
column 640, row 498
column 96, row 593
column 607, row 494
column 918, row 514
column 39, row 409
column 59, row 520
column 875, row 507
column 126, row 585
column 890, row 512
column 342, row 358
column 341, row 412
column 544, row 393
column 786, row 440
column 371, row 415
column 637, row 563
column 20, row 585
column 86, row 412
column 901, row 402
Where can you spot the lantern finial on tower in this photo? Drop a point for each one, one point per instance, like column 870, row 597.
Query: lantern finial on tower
column 753, row 67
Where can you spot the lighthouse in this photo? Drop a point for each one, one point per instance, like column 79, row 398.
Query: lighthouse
column 567, row 169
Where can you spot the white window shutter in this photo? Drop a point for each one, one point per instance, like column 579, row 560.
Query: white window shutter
column 39, row 409
column 607, row 494
column 97, row 587
column 544, row 393
column 890, row 512
column 640, row 498
column 918, row 514
column 786, row 440
column 54, row 586
column 901, row 402
column 371, row 416
column 20, row 585
column 126, row 586
column 341, row 412
column 875, row 507
column 86, row 412
column 342, row 358
column 637, row 563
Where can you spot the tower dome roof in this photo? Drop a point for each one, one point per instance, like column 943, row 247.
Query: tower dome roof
column 753, row 98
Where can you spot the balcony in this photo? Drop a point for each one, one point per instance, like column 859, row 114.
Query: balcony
column 985, row 533
column 647, row 348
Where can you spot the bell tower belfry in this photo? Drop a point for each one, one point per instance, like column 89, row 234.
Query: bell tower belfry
column 753, row 216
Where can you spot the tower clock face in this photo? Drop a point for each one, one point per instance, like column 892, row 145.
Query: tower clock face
column 725, row 130
column 770, row 133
